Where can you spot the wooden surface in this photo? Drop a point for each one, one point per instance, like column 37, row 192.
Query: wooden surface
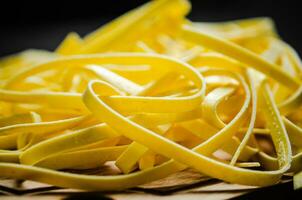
column 187, row 185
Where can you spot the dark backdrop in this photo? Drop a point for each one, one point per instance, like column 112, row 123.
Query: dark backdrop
column 43, row 24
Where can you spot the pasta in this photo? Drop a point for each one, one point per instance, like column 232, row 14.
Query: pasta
column 152, row 94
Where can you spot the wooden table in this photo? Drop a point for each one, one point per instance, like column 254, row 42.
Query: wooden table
column 188, row 185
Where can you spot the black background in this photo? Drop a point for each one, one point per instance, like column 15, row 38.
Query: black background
column 43, row 24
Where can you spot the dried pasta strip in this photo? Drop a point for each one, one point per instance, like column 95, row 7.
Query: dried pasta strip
column 211, row 102
column 252, row 120
column 241, row 54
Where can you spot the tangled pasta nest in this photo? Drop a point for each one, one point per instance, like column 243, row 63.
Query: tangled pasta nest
column 153, row 94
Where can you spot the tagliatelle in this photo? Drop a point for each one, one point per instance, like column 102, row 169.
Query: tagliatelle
column 159, row 95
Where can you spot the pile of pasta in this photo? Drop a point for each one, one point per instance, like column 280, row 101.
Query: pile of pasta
column 152, row 93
